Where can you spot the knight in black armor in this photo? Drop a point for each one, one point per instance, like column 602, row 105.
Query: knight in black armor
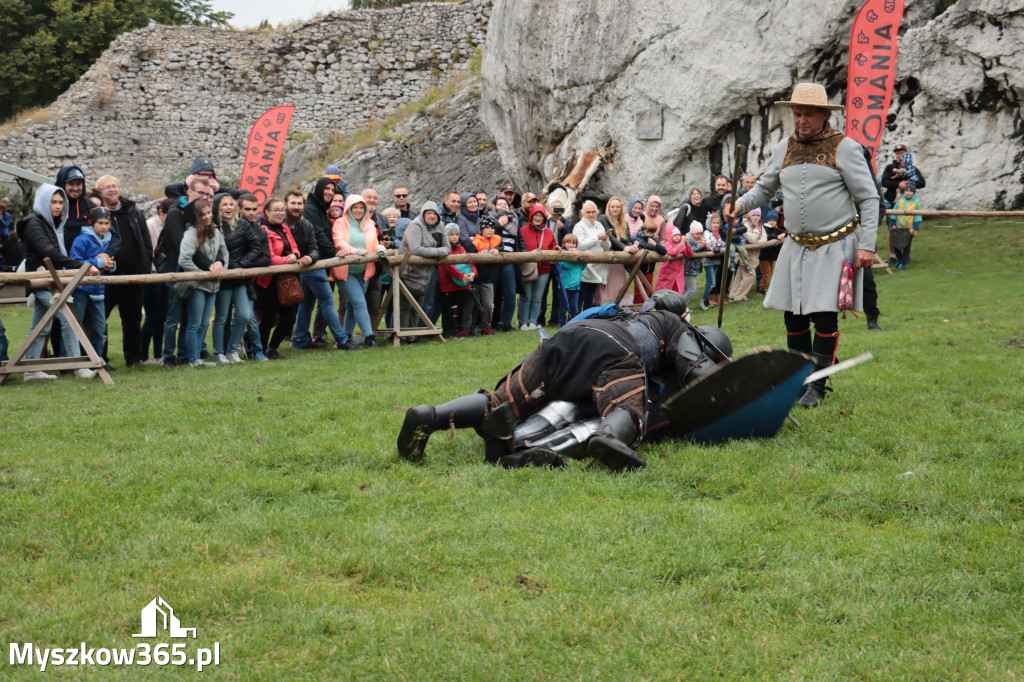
column 591, row 390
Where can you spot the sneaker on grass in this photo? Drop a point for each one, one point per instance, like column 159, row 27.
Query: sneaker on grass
column 35, row 376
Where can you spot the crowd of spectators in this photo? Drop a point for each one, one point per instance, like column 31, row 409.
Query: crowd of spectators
column 202, row 226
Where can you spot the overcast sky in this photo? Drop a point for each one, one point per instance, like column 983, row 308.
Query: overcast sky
column 249, row 13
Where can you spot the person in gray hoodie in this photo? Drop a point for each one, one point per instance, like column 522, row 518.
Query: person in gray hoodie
column 425, row 237
column 203, row 237
column 43, row 235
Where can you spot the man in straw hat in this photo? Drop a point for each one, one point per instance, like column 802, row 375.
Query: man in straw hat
column 831, row 216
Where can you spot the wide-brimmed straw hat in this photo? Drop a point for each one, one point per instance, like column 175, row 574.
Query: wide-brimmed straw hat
column 810, row 95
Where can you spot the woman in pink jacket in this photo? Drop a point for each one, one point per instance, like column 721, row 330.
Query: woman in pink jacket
column 671, row 274
column 355, row 234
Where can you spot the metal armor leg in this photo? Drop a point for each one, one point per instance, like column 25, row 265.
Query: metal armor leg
column 553, row 448
column 554, row 416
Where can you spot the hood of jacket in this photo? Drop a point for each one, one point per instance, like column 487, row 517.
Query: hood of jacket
column 535, row 209
column 63, row 176
column 88, row 229
column 430, row 206
column 350, row 201
column 633, row 202
column 464, row 197
column 200, row 165
column 317, row 195
column 41, row 205
column 650, row 200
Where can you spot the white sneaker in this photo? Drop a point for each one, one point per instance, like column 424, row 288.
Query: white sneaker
column 153, row 361
column 221, row 359
column 202, row 363
column 84, row 373
column 32, row 376
column 524, row 327
column 233, row 357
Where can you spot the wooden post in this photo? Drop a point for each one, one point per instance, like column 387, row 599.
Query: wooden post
column 724, row 292
column 632, row 274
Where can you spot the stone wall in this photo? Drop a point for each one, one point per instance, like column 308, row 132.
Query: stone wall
column 160, row 96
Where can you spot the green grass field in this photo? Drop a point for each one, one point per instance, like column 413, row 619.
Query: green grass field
column 265, row 502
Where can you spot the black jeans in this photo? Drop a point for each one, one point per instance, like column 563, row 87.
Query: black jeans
column 128, row 299
column 271, row 312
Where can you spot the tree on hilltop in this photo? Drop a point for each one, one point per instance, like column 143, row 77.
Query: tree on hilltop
column 49, row 44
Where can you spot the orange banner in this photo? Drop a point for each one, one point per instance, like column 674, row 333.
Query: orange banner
column 263, row 153
column 872, row 71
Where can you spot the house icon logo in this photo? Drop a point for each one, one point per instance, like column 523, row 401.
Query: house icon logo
column 159, row 611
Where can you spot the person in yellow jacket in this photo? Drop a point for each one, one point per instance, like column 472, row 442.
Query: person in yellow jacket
column 908, row 201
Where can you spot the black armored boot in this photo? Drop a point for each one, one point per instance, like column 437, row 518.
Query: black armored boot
column 814, row 392
column 610, row 445
column 468, row 411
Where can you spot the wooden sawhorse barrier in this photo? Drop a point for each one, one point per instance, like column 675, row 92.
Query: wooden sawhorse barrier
column 393, row 297
column 19, row 365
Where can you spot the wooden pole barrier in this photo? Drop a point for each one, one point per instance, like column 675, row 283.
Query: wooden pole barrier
column 723, row 291
column 41, row 279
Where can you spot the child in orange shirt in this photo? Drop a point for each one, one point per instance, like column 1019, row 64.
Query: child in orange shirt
column 483, row 286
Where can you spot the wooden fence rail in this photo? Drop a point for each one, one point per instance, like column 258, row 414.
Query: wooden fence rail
column 39, row 279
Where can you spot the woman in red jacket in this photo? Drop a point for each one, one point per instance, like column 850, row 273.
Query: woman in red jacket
column 283, row 251
column 534, row 236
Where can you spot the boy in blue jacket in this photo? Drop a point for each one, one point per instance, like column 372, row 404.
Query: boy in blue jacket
column 90, row 246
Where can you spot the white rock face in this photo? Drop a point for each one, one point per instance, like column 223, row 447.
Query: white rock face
column 562, row 77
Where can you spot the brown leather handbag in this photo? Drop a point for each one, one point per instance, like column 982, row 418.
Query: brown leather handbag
column 289, row 290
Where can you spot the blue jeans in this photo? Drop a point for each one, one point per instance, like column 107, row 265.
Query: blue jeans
column 239, row 296
column 356, row 312
column 532, row 294
column 316, row 288
column 93, row 315
column 199, row 308
column 710, row 279
column 3, row 343
column 177, row 309
column 431, row 302
column 574, row 306
column 42, row 304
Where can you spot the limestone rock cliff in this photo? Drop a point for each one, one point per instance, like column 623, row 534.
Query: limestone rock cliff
column 555, row 87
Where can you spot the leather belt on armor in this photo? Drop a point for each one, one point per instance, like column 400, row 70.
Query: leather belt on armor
column 813, row 241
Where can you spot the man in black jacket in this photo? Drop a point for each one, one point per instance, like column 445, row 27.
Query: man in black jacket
column 315, row 284
column 178, row 217
column 134, row 257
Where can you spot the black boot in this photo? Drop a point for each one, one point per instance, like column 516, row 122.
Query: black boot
column 814, row 392
column 610, row 445
column 423, row 420
column 873, row 324
column 537, row 457
column 496, row 429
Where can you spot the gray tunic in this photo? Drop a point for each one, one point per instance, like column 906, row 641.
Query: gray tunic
column 818, row 200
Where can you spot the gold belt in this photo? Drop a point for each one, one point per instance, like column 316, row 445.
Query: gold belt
column 813, row 241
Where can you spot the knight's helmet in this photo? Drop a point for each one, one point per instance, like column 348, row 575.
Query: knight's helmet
column 665, row 299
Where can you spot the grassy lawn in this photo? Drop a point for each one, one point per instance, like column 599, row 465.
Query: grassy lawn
column 266, row 504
